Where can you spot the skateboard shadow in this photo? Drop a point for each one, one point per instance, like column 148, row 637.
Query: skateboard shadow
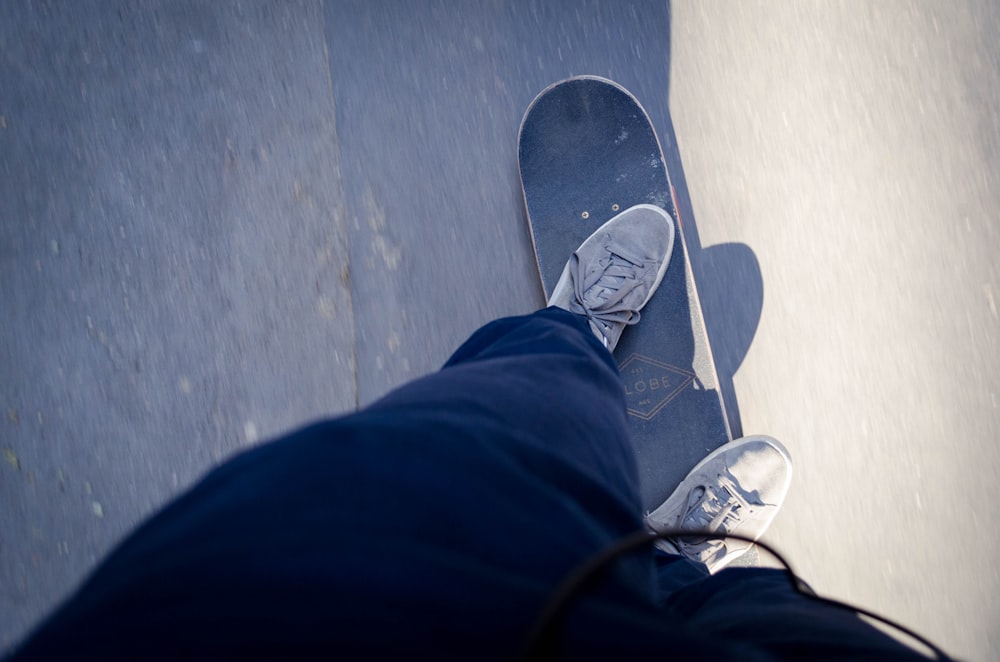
column 728, row 276
column 732, row 298
column 730, row 286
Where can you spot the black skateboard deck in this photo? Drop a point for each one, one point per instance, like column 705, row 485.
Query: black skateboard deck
column 586, row 151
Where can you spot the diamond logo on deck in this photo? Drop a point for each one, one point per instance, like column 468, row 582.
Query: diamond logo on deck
column 650, row 385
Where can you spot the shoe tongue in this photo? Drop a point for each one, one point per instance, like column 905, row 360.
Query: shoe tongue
column 626, row 247
column 710, row 508
column 621, row 263
column 699, row 509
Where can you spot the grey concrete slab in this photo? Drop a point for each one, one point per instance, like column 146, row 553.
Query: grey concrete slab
column 854, row 147
column 172, row 264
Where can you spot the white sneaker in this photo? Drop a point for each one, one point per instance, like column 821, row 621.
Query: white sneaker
column 737, row 489
column 616, row 270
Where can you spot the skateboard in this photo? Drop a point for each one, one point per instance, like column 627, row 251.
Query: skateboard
column 586, row 151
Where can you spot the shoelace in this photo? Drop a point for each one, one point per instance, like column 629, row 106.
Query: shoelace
column 600, row 293
column 719, row 510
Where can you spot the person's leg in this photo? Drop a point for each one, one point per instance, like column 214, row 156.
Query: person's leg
column 738, row 489
column 451, row 506
column 543, row 384
column 760, row 607
column 674, row 572
column 436, row 520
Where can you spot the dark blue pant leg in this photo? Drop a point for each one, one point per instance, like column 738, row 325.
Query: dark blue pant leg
column 433, row 524
column 753, row 608
column 759, row 607
column 546, row 385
